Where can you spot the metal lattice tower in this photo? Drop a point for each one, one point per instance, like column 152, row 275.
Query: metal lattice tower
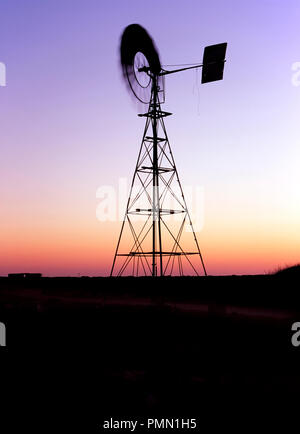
column 155, row 175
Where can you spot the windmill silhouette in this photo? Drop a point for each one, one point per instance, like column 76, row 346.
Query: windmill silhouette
column 157, row 236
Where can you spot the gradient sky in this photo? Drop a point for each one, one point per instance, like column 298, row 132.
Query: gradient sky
column 68, row 126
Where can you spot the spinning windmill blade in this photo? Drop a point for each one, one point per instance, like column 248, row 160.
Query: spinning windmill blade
column 139, row 62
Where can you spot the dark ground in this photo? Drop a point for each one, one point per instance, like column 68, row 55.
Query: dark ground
column 82, row 350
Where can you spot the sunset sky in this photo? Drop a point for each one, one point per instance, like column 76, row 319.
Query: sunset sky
column 68, row 127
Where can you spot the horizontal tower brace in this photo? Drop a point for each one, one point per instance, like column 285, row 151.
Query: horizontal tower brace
column 158, row 253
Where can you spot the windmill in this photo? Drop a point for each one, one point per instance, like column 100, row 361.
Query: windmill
column 157, row 217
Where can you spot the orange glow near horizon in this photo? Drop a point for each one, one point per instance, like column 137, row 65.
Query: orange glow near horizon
column 75, row 250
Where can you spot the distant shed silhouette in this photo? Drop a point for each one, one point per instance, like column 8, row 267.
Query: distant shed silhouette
column 25, row 275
